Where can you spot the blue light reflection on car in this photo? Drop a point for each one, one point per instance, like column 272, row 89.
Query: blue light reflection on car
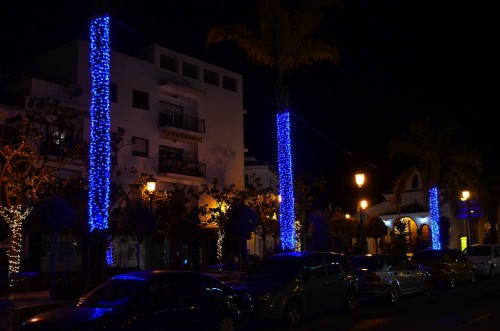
column 129, row 277
column 99, row 312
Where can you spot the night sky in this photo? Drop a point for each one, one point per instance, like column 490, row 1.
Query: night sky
column 401, row 61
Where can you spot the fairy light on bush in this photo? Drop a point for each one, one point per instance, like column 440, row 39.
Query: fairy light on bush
column 287, row 211
column 99, row 167
column 434, row 215
column 14, row 216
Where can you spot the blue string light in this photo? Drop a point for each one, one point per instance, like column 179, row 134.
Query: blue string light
column 99, row 163
column 434, row 215
column 287, row 209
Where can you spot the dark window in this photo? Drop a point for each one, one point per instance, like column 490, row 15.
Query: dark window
column 113, row 92
column 211, row 77
column 140, row 146
column 332, row 265
column 229, row 83
column 314, row 267
column 190, row 70
column 140, row 100
column 168, row 62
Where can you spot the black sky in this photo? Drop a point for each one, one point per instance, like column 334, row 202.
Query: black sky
column 401, row 61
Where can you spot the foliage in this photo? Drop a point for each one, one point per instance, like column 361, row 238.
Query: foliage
column 306, row 188
column 400, row 243
column 342, row 231
column 376, row 228
column 265, row 203
column 444, row 229
column 319, row 230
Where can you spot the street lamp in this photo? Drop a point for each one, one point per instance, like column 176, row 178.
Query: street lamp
column 466, row 198
column 151, row 185
column 360, row 180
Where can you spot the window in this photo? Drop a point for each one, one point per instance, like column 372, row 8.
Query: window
column 190, row 70
column 332, row 265
column 211, row 77
column 168, row 62
column 140, row 100
column 314, row 268
column 140, row 146
column 113, row 92
column 229, row 83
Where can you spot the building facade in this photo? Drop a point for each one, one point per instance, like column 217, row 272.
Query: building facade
column 184, row 116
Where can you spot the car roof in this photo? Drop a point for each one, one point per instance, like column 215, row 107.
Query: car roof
column 300, row 255
column 151, row 274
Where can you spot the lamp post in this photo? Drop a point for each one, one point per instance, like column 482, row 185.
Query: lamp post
column 360, row 180
column 151, row 185
column 466, row 198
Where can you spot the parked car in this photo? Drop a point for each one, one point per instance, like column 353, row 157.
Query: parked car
column 390, row 276
column 290, row 286
column 447, row 266
column 486, row 257
column 152, row 300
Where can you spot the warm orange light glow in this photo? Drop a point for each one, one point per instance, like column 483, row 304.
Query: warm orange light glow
column 465, row 195
column 151, row 184
column 363, row 204
column 360, row 179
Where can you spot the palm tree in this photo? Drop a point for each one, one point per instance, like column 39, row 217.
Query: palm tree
column 441, row 164
column 284, row 42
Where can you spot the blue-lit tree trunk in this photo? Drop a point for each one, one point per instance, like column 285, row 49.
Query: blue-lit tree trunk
column 100, row 151
column 100, row 156
column 434, row 215
column 287, row 210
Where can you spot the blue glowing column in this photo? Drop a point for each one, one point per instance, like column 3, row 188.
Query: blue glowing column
column 287, row 208
column 434, row 214
column 99, row 163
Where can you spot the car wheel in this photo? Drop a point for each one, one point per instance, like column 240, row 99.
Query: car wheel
column 492, row 272
column 452, row 281
column 473, row 276
column 293, row 313
column 351, row 302
column 393, row 293
column 227, row 323
column 428, row 286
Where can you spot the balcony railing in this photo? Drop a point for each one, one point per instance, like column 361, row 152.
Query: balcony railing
column 190, row 123
column 183, row 167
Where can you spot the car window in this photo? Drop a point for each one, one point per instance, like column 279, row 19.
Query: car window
column 276, row 269
column 367, row 262
column 114, row 293
column 478, row 251
column 333, row 266
column 400, row 263
column 344, row 262
column 314, row 267
column 497, row 250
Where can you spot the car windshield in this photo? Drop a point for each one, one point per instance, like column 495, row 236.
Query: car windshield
column 367, row 262
column 428, row 255
column 112, row 294
column 478, row 251
column 281, row 269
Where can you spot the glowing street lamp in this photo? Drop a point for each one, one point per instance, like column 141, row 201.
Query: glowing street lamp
column 360, row 180
column 466, row 198
column 151, row 186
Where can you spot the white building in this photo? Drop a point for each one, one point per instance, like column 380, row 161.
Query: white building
column 185, row 115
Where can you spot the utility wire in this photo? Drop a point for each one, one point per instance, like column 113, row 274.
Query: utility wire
column 304, row 122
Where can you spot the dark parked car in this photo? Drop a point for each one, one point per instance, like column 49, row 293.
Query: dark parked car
column 290, row 286
column 152, row 300
column 447, row 266
column 389, row 276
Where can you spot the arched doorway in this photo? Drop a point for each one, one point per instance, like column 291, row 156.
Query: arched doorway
column 409, row 228
column 425, row 235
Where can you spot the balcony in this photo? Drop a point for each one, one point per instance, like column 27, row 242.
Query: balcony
column 184, row 122
column 183, row 167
